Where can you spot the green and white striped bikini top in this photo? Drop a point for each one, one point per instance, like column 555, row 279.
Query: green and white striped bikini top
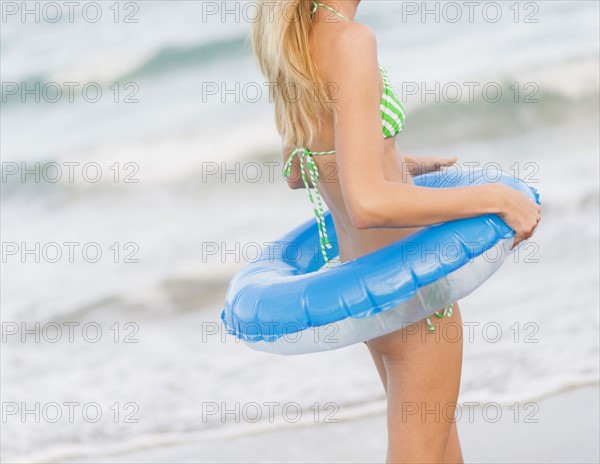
column 392, row 122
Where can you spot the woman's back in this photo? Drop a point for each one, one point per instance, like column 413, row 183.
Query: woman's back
column 330, row 37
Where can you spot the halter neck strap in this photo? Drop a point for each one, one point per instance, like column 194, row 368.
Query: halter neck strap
column 316, row 6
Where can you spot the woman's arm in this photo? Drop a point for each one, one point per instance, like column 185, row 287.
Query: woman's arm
column 371, row 200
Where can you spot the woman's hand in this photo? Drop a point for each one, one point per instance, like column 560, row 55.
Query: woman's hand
column 421, row 165
column 520, row 213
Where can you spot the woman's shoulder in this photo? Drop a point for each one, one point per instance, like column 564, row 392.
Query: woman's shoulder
column 352, row 47
column 352, row 38
column 359, row 32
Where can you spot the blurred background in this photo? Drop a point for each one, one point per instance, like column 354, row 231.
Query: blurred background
column 125, row 214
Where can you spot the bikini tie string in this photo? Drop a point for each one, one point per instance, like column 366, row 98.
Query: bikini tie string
column 314, row 196
column 447, row 311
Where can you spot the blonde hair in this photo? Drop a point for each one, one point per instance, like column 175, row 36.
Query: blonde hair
column 280, row 45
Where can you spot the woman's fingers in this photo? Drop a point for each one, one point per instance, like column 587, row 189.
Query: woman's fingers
column 518, row 239
column 449, row 161
column 438, row 163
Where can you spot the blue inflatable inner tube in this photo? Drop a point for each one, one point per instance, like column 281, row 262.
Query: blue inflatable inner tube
column 287, row 291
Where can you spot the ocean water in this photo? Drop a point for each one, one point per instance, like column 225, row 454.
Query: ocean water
column 171, row 241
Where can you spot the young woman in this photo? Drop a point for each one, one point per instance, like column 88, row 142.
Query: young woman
column 335, row 107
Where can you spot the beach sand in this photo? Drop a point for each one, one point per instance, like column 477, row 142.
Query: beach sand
column 562, row 428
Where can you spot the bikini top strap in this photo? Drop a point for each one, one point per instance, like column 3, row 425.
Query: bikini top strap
column 304, row 155
column 316, row 6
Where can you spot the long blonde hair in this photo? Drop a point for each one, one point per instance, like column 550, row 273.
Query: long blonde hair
column 281, row 47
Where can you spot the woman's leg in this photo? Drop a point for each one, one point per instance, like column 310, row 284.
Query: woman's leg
column 422, row 371
column 453, row 452
column 378, row 360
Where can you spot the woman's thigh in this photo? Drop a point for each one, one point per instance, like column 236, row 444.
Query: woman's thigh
column 422, row 373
